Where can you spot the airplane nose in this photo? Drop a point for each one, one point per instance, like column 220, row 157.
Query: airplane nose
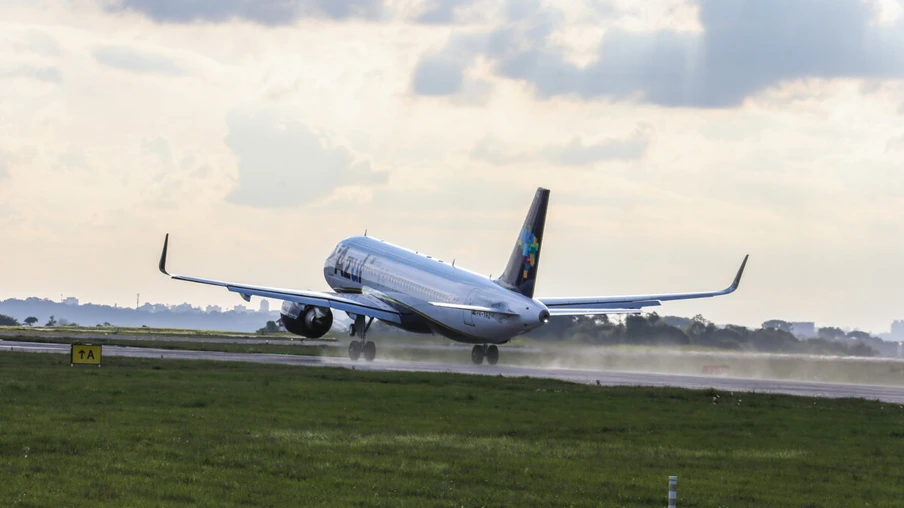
column 544, row 316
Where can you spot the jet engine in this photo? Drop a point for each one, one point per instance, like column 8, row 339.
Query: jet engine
column 311, row 322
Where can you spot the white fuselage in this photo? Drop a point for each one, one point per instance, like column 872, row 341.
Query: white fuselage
column 412, row 283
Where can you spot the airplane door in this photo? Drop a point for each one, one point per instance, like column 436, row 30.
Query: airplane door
column 469, row 316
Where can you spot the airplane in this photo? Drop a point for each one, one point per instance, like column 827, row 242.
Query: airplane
column 373, row 279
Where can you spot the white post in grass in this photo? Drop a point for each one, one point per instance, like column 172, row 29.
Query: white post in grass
column 673, row 491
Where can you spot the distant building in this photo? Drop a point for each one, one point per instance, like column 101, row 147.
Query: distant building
column 897, row 330
column 71, row 301
column 240, row 308
column 213, row 308
column 803, row 330
column 182, row 307
column 265, row 305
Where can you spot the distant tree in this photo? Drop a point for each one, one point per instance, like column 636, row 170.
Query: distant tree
column 107, row 324
column 271, row 327
column 858, row 335
column 664, row 334
column 653, row 318
column 679, row 322
column 31, row 320
column 773, row 340
column 8, row 320
column 831, row 333
column 862, row 349
column 51, row 322
column 696, row 330
column 637, row 327
column 778, row 324
column 742, row 331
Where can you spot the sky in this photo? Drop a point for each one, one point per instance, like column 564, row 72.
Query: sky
column 676, row 137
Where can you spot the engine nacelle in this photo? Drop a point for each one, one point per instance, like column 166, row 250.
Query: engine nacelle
column 307, row 320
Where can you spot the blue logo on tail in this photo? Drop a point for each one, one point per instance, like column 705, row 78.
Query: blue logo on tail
column 529, row 249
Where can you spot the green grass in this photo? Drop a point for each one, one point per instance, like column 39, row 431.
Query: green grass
column 168, row 433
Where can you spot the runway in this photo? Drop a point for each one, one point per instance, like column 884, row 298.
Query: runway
column 893, row 394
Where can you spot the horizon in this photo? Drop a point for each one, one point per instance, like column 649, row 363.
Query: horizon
column 274, row 307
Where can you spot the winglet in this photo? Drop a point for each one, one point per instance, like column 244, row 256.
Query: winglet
column 163, row 255
column 737, row 279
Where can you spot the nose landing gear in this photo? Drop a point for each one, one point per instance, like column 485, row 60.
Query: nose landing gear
column 479, row 352
column 357, row 347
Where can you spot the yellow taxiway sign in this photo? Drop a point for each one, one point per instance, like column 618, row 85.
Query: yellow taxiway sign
column 85, row 354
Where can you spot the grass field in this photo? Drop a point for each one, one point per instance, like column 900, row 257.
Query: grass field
column 169, row 433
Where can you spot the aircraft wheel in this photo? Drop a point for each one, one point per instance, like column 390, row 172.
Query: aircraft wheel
column 354, row 350
column 492, row 355
column 370, row 351
column 477, row 355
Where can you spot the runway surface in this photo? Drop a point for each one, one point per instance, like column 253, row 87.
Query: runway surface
column 603, row 377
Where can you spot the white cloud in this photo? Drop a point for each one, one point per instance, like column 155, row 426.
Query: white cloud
column 159, row 147
column 39, row 42
column 48, row 74
column 576, row 152
column 267, row 12
column 895, row 144
column 133, row 60
column 282, row 162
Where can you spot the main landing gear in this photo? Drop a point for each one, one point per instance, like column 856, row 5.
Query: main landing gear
column 357, row 347
column 491, row 353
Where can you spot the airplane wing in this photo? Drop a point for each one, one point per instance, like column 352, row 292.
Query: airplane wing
column 614, row 304
column 567, row 311
column 363, row 304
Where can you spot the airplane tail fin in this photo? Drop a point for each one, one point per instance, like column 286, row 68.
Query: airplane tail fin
column 521, row 271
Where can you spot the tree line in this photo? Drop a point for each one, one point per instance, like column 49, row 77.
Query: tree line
column 773, row 336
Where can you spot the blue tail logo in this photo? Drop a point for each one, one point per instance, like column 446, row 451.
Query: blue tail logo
column 529, row 249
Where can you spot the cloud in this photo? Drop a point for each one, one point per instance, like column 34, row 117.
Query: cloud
column 40, row 42
column 158, row 147
column 577, row 152
column 895, row 145
column 46, row 74
column 132, row 60
column 441, row 12
column 746, row 46
column 265, row 12
column 4, row 169
column 438, row 75
column 442, row 73
column 283, row 163
column 72, row 158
